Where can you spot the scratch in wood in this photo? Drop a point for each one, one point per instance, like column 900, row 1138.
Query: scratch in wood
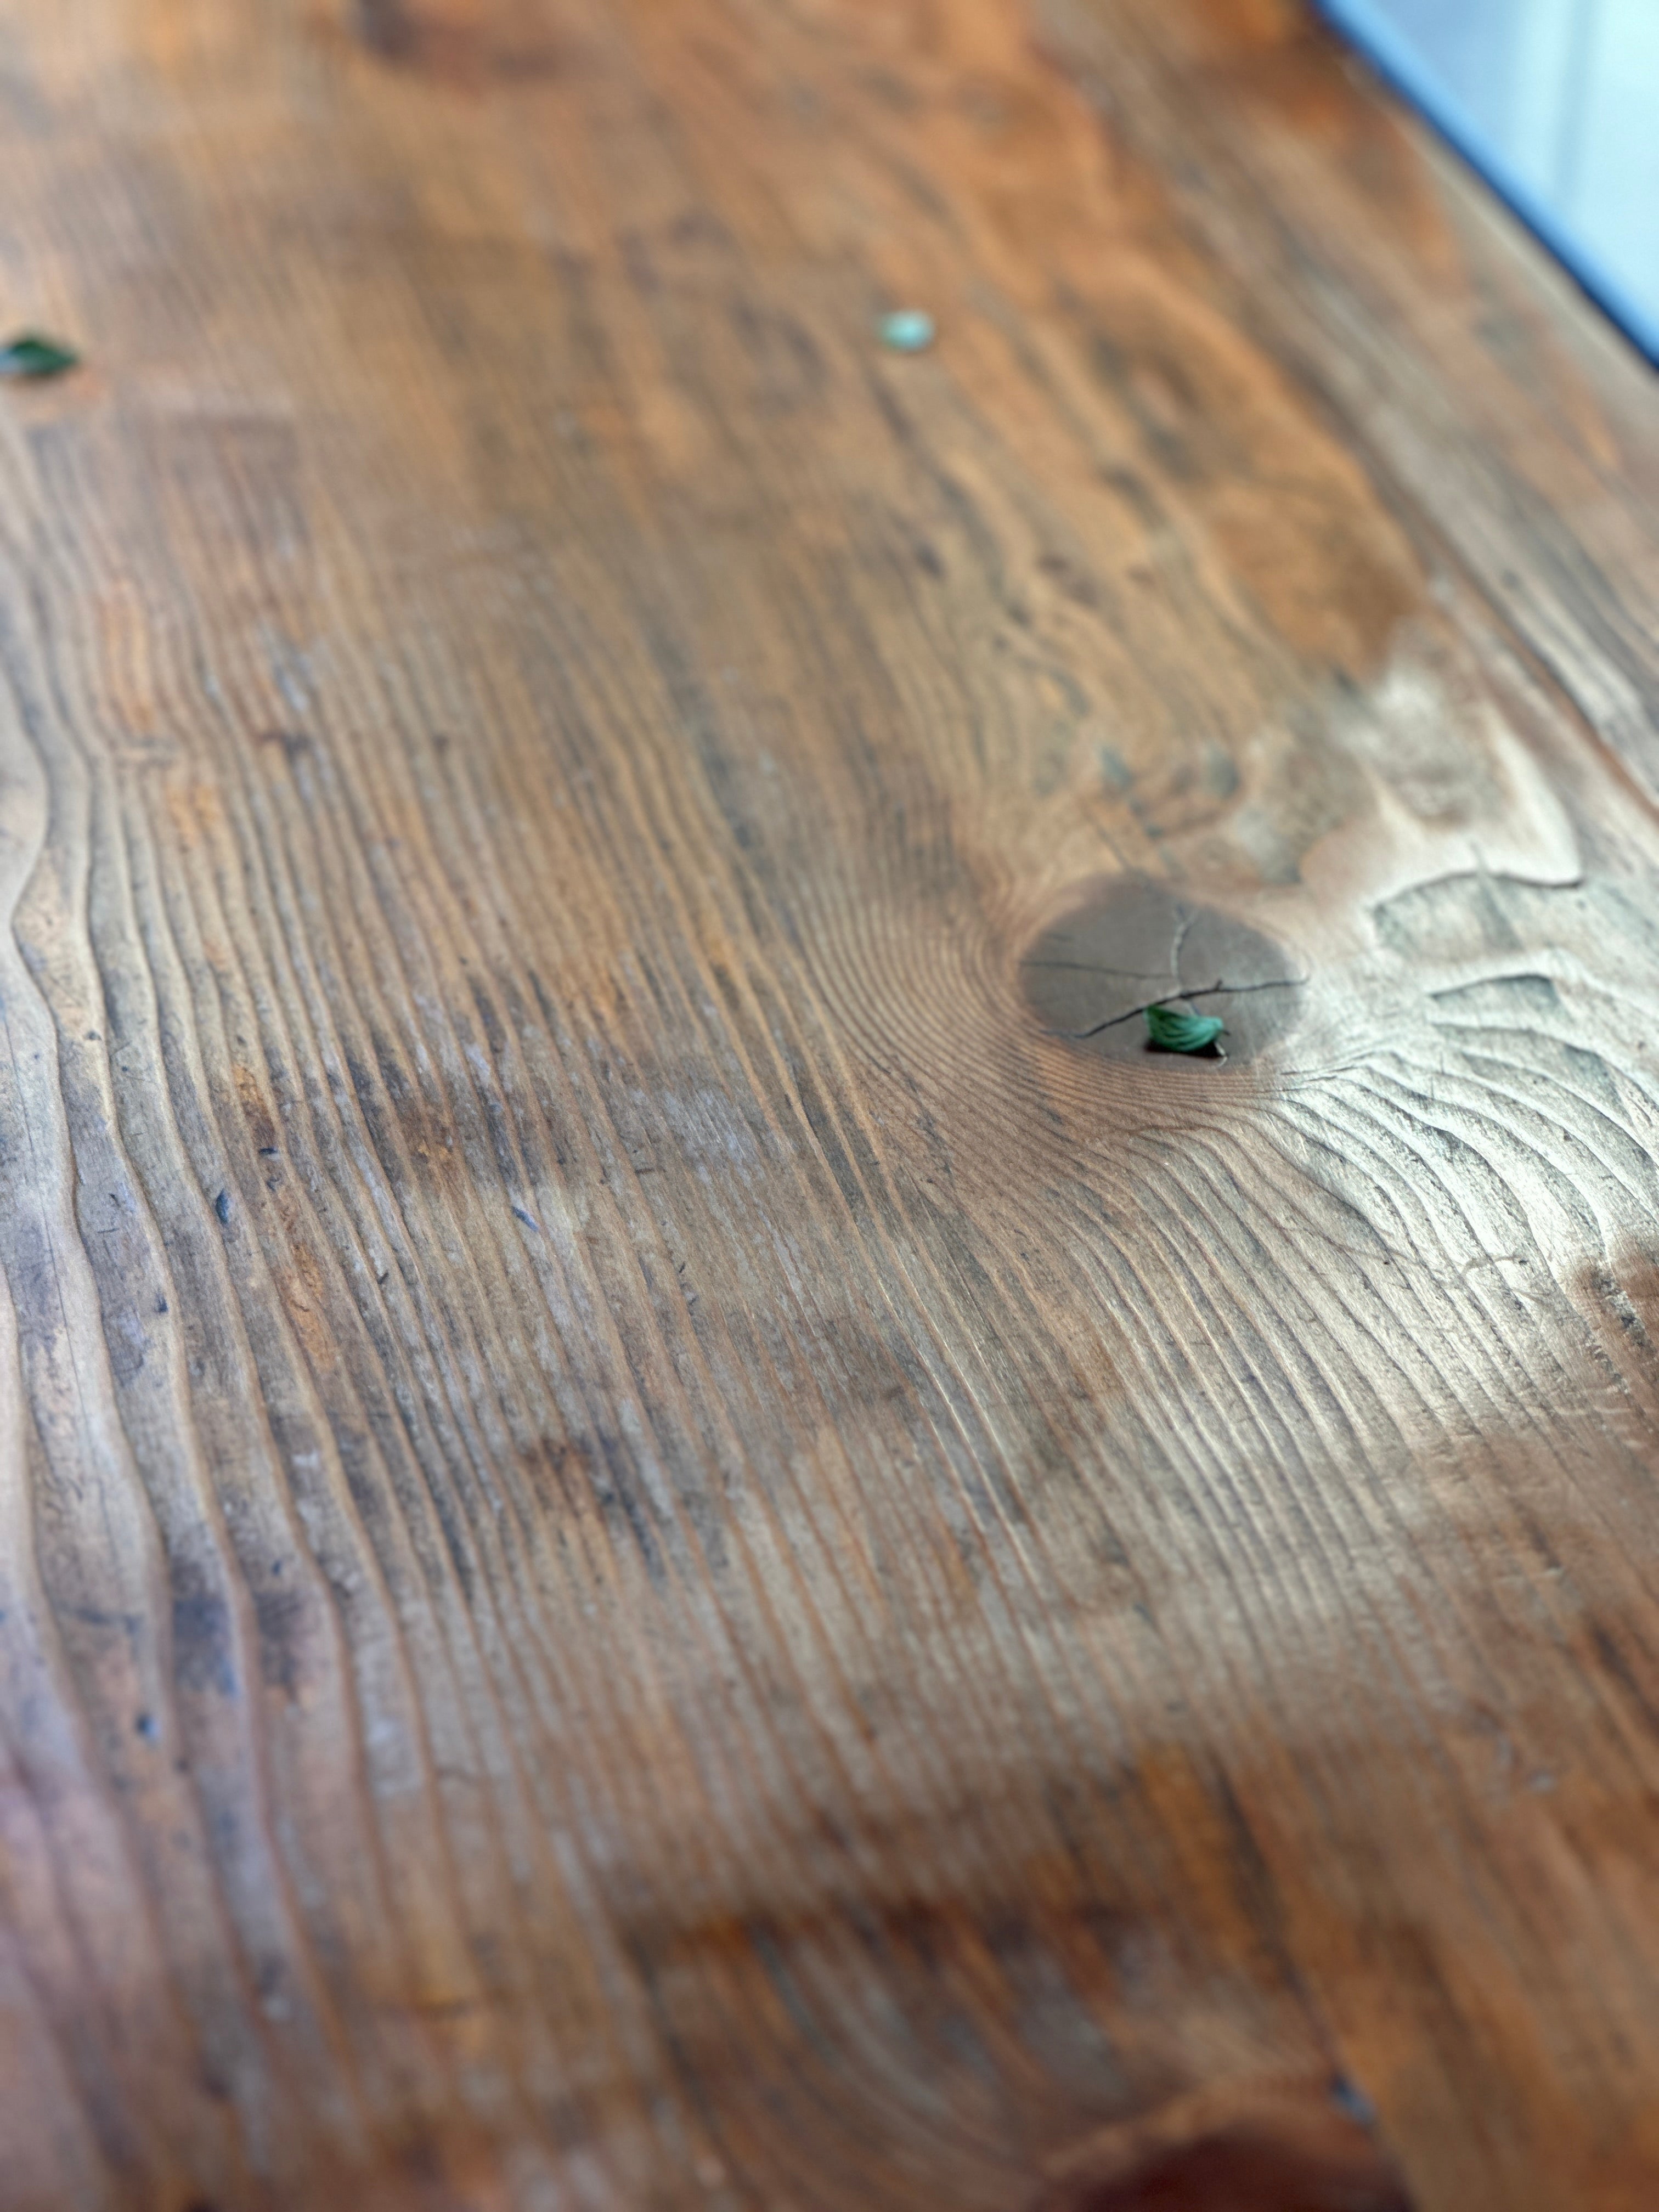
column 1172, row 998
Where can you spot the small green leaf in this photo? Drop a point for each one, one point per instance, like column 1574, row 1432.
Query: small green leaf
column 1178, row 1029
column 29, row 355
column 909, row 330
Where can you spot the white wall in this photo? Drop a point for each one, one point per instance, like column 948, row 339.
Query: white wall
column 1566, row 92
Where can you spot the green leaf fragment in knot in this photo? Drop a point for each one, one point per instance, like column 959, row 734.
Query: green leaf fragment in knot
column 1178, row 1029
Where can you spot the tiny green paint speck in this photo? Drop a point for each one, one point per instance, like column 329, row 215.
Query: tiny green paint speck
column 29, row 355
column 908, row 330
column 1178, row 1029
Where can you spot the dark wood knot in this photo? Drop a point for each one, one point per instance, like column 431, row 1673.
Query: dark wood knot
column 1129, row 944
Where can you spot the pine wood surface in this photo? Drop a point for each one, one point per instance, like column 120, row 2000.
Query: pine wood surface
column 678, row 1536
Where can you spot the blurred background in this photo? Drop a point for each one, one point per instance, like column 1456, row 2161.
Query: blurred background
column 1557, row 100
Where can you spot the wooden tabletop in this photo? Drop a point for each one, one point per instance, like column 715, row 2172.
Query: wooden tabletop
column 680, row 1534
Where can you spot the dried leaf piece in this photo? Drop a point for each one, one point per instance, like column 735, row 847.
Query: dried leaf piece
column 1178, row 1029
column 29, row 355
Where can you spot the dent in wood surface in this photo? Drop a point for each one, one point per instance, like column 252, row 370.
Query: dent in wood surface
column 659, row 1554
column 1132, row 945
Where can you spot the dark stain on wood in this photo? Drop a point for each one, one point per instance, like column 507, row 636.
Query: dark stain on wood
column 386, row 28
column 1281, row 2148
column 1242, row 2171
column 458, row 47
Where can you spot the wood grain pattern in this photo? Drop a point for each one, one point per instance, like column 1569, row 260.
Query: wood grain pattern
column 677, row 1534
